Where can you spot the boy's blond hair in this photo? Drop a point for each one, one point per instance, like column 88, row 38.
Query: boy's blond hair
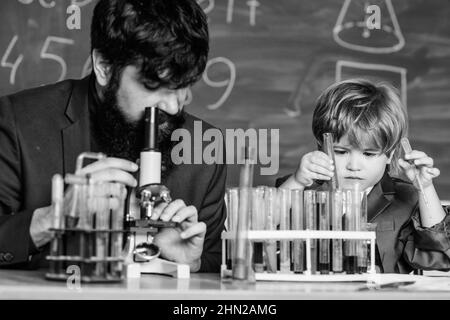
column 371, row 114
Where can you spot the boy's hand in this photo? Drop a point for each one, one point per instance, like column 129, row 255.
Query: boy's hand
column 424, row 166
column 315, row 165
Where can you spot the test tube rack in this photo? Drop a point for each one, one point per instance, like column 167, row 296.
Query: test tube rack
column 94, row 238
column 78, row 247
column 307, row 235
column 88, row 234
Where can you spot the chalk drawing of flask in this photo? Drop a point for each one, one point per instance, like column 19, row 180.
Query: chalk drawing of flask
column 369, row 27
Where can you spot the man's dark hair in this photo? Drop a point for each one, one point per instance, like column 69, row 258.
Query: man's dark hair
column 167, row 40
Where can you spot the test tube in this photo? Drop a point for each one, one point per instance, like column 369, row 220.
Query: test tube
column 85, row 203
column 272, row 217
column 323, row 209
column 258, row 223
column 241, row 261
column 370, row 227
column 310, row 211
column 240, row 268
column 408, row 149
column 297, row 224
column 232, row 197
column 82, row 212
column 350, row 255
column 102, row 213
column 73, row 216
column 285, row 205
column 57, row 204
column 336, row 224
column 116, row 222
column 362, row 226
column 57, row 200
column 329, row 150
column 92, row 190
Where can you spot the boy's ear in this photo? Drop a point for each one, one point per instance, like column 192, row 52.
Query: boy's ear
column 101, row 68
column 390, row 156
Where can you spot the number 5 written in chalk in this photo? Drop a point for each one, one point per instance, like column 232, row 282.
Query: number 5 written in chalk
column 51, row 56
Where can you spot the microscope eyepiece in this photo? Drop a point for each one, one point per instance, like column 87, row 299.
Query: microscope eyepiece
column 151, row 129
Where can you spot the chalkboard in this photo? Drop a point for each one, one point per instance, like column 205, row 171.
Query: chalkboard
column 269, row 61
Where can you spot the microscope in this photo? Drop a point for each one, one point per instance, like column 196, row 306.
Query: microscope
column 89, row 234
column 142, row 255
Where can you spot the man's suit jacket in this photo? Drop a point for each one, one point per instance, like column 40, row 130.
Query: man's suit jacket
column 402, row 243
column 42, row 131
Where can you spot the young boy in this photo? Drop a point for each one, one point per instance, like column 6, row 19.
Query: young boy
column 367, row 122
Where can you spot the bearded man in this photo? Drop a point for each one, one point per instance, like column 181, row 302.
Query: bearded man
column 144, row 53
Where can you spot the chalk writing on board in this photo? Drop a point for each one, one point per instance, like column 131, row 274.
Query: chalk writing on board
column 74, row 20
column 390, row 35
column 341, row 64
column 87, row 67
column 81, row 3
column 43, row 3
column 209, row 7
column 229, row 83
column 47, row 55
column 253, row 4
column 15, row 64
column 230, row 8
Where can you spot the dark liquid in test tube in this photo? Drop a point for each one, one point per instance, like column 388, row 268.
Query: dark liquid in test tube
column 258, row 260
column 352, row 218
column 285, row 223
column 298, row 246
column 350, row 264
column 363, row 244
column 336, row 224
column 258, row 223
column 323, row 207
column 271, row 212
column 232, row 196
column 310, row 211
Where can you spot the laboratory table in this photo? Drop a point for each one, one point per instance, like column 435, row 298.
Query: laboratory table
column 18, row 284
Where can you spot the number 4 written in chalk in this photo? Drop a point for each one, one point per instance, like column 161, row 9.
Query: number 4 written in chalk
column 45, row 54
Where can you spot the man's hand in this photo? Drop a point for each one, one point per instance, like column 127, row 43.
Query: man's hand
column 183, row 244
column 117, row 172
column 41, row 222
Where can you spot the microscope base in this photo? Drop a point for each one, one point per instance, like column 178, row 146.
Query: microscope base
column 157, row 266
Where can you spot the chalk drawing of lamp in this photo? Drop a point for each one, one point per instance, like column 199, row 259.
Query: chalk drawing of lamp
column 368, row 26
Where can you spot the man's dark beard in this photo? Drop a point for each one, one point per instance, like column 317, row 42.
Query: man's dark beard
column 122, row 138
